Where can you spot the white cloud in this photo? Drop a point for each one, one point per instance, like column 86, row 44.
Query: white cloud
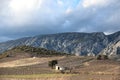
column 16, row 12
column 20, row 6
column 33, row 17
column 20, row 11
column 60, row 2
column 90, row 3
column 68, row 11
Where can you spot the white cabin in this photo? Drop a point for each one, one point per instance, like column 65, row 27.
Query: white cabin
column 59, row 68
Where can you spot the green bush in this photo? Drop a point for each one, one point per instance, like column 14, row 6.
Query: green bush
column 99, row 57
column 105, row 57
column 52, row 63
column 102, row 57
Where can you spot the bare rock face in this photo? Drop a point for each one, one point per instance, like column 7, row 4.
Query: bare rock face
column 73, row 43
column 113, row 48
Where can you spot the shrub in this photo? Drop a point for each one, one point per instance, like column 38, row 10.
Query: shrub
column 99, row 57
column 102, row 57
column 105, row 57
column 52, row 63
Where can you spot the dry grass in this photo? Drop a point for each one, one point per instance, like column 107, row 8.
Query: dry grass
column 60, row 77
column 27, row 62
column 84, row 68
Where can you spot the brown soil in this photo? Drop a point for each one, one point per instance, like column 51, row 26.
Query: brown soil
column 85, row 68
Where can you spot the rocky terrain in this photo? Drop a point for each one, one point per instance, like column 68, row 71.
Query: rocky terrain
column 73, row 43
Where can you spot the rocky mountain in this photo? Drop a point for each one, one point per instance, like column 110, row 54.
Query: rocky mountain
column 73, row 43
column 113, row 48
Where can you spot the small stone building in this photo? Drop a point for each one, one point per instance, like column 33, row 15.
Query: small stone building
column 60, row 68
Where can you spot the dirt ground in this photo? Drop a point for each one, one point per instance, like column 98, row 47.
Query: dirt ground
column 83, row 68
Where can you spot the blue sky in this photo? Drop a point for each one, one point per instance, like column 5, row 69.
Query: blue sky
column 22, row 18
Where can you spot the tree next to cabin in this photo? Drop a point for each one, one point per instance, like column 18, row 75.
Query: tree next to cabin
column 52, row 63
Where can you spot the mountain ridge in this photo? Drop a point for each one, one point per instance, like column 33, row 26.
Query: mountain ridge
column 69, row 42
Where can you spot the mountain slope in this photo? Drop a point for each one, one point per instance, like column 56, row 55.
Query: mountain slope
column 73, row 43
column 113, row 48
column 28, row 52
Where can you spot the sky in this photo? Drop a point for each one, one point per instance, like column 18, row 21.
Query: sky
column 23, row 18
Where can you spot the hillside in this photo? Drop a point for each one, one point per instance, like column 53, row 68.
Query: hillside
column 28, row 52
column 73, row 43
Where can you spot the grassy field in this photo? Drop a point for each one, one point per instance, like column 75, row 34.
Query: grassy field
column 37, row 76
column 60, row 77
column 83, row 68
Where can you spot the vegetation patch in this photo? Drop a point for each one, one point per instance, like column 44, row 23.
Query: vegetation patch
column 31, row 51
